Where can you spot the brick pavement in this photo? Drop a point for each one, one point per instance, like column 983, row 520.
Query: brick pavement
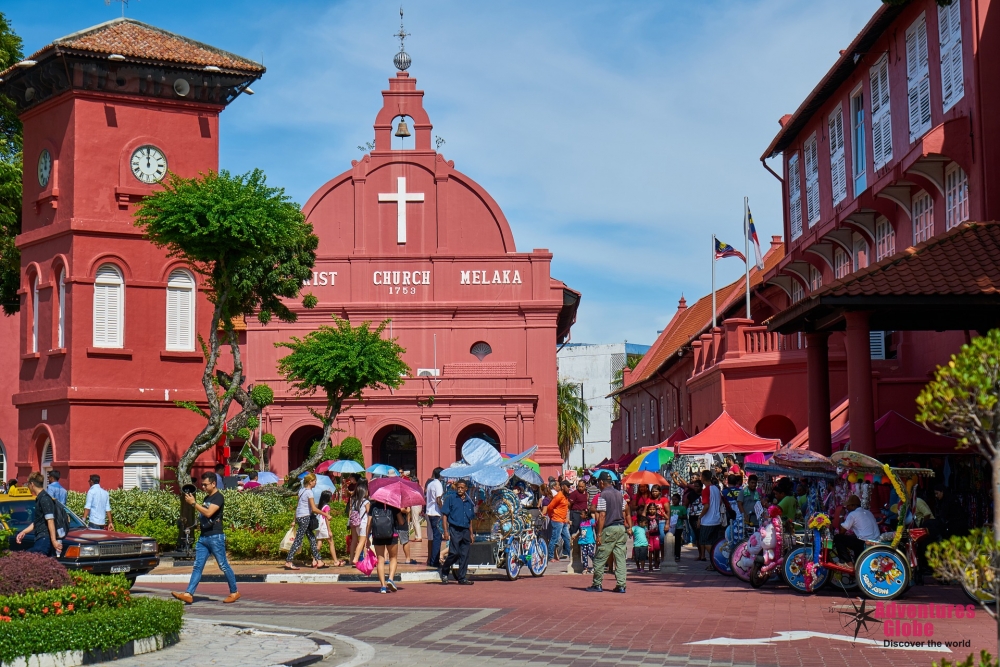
column 551, row 620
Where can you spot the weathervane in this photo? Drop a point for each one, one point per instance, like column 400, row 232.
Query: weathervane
column 401, row 59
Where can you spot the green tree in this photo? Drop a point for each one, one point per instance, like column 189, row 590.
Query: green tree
column 963, row 401
column 573, row 416
column 10, row 177
column 342, row 361
column 351, row 449
column 254, row 248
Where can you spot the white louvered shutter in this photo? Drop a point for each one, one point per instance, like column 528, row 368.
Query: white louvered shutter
column 876, row 341
column 108, row 307
column 142, row 467
column 918, row 81
column 950, row 39
column 881, row 116
column 794, row 197
column 62, row 309
column 838, row 165
column 180, row 311
column 34, row 315
column 812, row 180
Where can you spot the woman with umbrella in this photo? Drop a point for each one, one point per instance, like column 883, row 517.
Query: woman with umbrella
column 388, row 496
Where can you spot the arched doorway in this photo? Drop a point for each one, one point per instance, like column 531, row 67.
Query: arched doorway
column 476, row 431
column 776, row 426
column 300, row 442
column 394, row 445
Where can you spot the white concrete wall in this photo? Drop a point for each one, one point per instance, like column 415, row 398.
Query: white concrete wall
column 591, row 365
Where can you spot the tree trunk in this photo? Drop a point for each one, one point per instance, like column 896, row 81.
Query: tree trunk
column 332, row 410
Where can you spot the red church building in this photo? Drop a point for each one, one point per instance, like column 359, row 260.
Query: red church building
column 106, row 335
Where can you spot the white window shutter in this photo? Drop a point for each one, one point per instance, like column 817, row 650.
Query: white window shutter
column 130, row 477
column 794, row 197
column 950, row 39
column 877, row 344
column 918, row 79
column 109, row 306
column 838, row 164
column 881, row 116
column 180, row 311
column 812, row 180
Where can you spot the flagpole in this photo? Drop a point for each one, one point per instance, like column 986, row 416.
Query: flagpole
column 746, row 239
column 713, row 281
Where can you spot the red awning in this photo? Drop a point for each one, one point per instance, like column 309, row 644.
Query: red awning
column 674, row 438
column 726, row 436
column 895, row 434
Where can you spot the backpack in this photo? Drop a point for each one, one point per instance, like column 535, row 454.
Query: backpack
column 383, row 522
column 59, row 517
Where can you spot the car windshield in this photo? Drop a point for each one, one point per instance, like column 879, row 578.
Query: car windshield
column 22, row 513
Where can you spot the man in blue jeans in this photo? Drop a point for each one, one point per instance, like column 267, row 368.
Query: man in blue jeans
column 212, row 540
column 434, row 496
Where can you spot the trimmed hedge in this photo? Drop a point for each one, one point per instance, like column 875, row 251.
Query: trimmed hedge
column 88, row 593
column 98, row 630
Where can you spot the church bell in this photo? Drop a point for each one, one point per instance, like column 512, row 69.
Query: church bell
column 402, row 130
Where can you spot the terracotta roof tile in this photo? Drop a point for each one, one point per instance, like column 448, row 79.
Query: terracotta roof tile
column 948, row 264
column 133, row 39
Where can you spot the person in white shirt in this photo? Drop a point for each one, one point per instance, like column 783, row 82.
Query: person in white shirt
column 97, row 508
column 864, row 526
column 433, row 494
column 710, row 522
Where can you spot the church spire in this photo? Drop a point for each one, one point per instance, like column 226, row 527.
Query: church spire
column 402, row 59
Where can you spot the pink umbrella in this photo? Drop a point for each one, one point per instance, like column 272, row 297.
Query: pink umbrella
column 396, row 492
column 324, row 466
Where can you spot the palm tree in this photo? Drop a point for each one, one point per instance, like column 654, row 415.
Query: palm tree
column 574, row 416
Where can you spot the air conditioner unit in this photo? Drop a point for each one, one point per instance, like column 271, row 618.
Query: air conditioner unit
column 428, row 372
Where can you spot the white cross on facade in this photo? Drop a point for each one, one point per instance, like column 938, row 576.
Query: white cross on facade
column 401, row 196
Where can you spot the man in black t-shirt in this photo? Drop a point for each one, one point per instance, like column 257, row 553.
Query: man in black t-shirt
column 47, row 542
column 212, row 540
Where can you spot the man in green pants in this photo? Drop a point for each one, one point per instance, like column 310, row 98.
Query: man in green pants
column 613, row 525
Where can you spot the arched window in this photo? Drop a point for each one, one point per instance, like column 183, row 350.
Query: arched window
column 34, row 315
column 481, row 350
column 142, row 467
column 841, row 263
column 860, row 252
column 61, row 327
column 956, row 196
column 180, row 311
column 885, row 239
column 815, row 279
column 109, row 307
column 798, row 291
column 923, row 217
column 46, row 460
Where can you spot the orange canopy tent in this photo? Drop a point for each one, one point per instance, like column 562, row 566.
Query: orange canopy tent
column 895, row 434
column 726, row 436
column 674, row 438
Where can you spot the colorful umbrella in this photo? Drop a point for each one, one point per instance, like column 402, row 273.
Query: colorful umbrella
column 528, row 463
column 265, row 477
column 652, row 461
column 528, row 475
column 324, row 466
column 645, row 477
column 605, row 471
column 382, row 470
column 345, row 467
column 396, row 492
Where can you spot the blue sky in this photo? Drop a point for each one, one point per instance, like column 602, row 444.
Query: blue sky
column 619, row 135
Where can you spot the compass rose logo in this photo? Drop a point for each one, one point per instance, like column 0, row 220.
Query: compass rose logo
column 859, row 618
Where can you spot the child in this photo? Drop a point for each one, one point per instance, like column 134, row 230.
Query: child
column 640, row 545
column 653, row 536
column 324, row 532
column 678, row 518
column 587, row 542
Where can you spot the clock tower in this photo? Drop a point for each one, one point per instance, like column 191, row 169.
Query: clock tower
column 109, row 323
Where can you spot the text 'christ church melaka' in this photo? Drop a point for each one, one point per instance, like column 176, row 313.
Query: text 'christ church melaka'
column 402, row 235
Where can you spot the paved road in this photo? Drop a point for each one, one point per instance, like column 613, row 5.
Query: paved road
column 553, row 621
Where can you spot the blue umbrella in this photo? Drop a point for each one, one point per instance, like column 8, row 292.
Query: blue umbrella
column 382, row 470
column 346, row 467
column 267, row 478
column 614, row 475
column 323, row 483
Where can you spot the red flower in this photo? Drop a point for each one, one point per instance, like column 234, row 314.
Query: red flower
column 57, row 604
column 69, row 607
column 45, row 610
column 6, row 610
column 5, row 619
column 21, row 611
column 73, row 595
column 59, row 612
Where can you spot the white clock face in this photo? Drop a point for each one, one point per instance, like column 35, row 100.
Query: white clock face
column 44, row 167
column 148, row 164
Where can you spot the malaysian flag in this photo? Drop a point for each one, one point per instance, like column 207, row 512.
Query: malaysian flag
column 725, row 250
column 752, row 233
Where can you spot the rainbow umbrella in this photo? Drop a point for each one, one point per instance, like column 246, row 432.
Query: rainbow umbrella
column 531, row 464
column 652, row 461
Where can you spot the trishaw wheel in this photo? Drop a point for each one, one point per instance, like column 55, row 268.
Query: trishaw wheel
column 757, row 578
column 734, row 562
column 982, row 595
column 882, row 573
column 795, row 571
column 513, row 560
column 720, row 558
column 539, row 558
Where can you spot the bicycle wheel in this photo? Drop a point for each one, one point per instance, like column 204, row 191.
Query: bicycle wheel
column 795, row 571
column 882, row 572
column 981, row 595
column 513, row 559
column 739, row 555
column 757, row 578
column 539, row 557
column 720, row 557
